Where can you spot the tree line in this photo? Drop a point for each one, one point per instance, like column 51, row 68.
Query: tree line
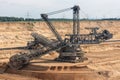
column 7, row 19
column 14, row 19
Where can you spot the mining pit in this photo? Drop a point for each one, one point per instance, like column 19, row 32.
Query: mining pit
column 103, row 59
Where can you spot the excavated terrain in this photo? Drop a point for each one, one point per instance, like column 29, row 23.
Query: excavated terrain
column 103, row 59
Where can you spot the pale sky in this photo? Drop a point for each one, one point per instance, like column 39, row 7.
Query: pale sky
column 91, row 8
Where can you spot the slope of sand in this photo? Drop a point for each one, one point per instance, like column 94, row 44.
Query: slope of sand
column 102, row 57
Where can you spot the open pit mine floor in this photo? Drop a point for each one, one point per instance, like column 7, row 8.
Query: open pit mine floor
column 103, row 65
column 103, row 59
column 51, row 70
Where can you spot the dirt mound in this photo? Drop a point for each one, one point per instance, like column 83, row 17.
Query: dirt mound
column 59, row 71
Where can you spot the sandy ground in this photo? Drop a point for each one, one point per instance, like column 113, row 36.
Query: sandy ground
column 103, row 58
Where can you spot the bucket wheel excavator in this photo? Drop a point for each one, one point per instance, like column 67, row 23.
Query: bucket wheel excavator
column 68, row 48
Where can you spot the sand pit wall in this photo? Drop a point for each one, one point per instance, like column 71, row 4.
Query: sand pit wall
column 15, row 34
